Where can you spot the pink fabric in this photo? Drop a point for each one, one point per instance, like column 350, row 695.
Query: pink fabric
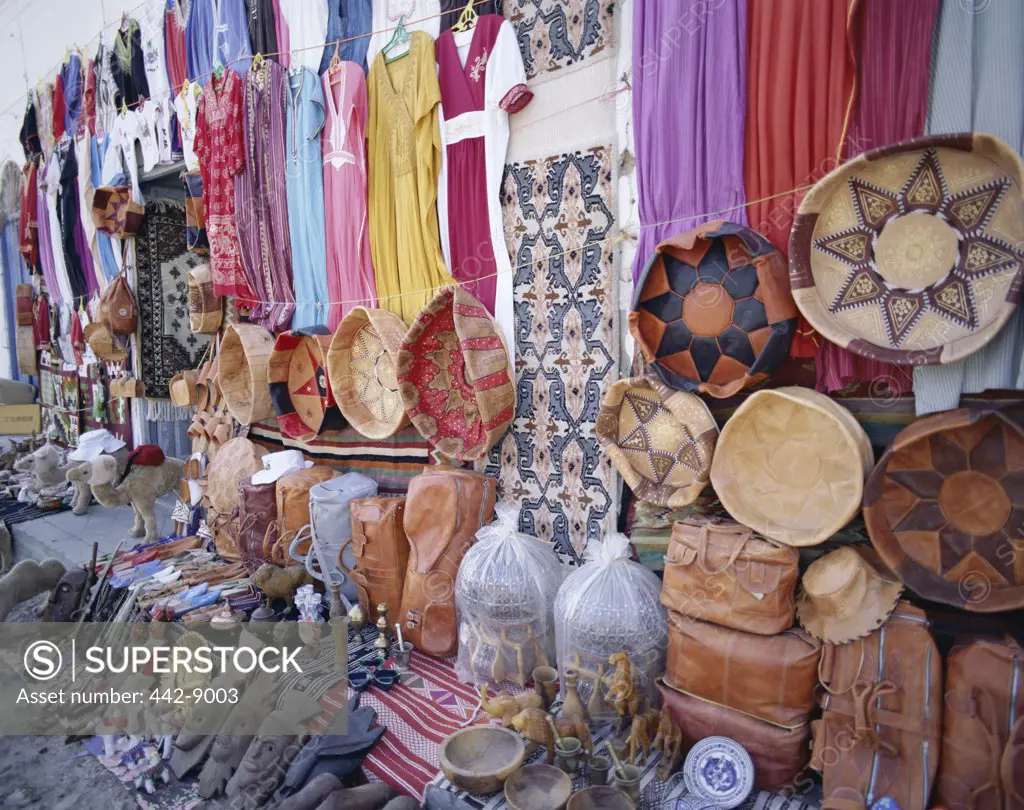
column 350, row 274
column 283, row 40
column 893, row 43
column 174, row 47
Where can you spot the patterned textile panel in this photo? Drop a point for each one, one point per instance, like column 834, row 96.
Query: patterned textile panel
column 390, row 462
column 556, row 34
column 558, row 212
column 99, row 409
column 162, row 296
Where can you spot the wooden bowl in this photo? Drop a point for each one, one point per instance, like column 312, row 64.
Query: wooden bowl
column 600, row 797
column 480, row 758
column 538, row 787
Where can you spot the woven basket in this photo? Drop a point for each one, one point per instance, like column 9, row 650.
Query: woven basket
column 244, row 358
column 361, row 369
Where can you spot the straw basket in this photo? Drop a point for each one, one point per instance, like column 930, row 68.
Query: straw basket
column 244, row 358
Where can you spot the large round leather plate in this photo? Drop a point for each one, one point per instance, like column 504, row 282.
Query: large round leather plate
column 945, row 509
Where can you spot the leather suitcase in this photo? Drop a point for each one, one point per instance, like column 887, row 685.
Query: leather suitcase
column 722, row 572
column 982, row 761
column 444, row 509
column 778, row 754
column 881, row 715
column 381, row 551
column 772, row 678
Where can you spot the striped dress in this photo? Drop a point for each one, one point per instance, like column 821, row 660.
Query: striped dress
column 977, row 84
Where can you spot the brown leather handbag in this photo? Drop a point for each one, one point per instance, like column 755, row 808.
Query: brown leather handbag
column 381, row 549
column 881, row 715
column 772, row 678
column 293, row 509
column 982, row 762
column 257, row 522
column 444, row 509
column 779, row 754
column 121, row 308
column 722, row 572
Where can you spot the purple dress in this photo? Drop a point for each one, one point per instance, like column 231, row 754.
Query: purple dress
column 689, row 99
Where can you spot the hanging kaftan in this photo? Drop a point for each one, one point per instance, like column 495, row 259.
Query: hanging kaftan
column 350, row 280
column 74, row 87
column 154, row 58
column 77, row 257
column 306, row 197
column 482, row 80
column 62, row 288
column 348, row 25
column 221, row 154
column 307, row 31
column 44, row 118
column 217, row 32
column 262, row 27
column 185, row 107
column 110, row 258
column 261, row 209
column 128, row 66
column 420, row 15
column 174, row 44
column 404, row 163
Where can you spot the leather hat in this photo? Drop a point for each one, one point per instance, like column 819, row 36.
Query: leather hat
column 846, row 595
column 661, row 441
column 911, row 253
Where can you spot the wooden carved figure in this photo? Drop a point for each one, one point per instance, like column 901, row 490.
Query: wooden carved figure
column 668, row 740
column 575, row 728
column 623, row 696
column 504, row 706
column 642, row 735
column 534, row 726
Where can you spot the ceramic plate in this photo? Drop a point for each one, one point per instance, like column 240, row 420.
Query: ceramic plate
column 719, row 770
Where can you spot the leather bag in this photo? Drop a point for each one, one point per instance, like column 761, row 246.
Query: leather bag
column 881, row 715
column 121, row 308
column 982, row 761
column 778, row 754
column 115, row 212
column 257, row 522
column 380, row 548
column 443, row 511
column 293, row 509
column 772, row 678
column 722, row 572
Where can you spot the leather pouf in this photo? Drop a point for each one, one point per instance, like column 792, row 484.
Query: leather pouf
column 712, row 310
column 661, row 441
column 945, row 509
column 911, row 253
column 238, row 459
column 299, row 387
column 791, row 464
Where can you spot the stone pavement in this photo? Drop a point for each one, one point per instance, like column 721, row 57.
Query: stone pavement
column 69, row 537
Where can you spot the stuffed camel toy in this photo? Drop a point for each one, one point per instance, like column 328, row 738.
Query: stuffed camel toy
column 27, row 579
column 148, row 474
column 83, row 492
column 45, row 465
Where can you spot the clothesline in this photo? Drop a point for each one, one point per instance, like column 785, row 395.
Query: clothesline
column 327, row 44
column 618, row 237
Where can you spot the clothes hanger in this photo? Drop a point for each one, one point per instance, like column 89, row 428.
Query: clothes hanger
column 398, row 39
column 335, row 64
column 467, row 19
column 258, row 61
column 218, row 70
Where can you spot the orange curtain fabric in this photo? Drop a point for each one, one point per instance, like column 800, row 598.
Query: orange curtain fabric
column 800, row 84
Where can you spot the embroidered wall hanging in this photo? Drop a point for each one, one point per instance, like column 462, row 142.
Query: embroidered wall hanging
column 556, row 34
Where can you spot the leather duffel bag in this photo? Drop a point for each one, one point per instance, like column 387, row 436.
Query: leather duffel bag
column 722, row 572
column 772, row 678
column 293, row 509
column 444, row 508
column 380, row 548
column 881, row 715
column 257, row 522
column 982, row 761
column 779, row 754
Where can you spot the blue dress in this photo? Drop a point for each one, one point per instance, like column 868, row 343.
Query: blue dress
column 108, row 261
column 305, row 187
column 346, row 20
column 217, row 28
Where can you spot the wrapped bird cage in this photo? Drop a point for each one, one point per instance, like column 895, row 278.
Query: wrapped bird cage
column 504, row 595
column 610, row 605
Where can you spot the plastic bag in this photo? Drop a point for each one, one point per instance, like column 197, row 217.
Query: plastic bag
column 610, row 604
column 504, row 595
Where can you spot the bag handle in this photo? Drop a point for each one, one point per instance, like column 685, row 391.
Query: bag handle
column 702, row 550
column 827, row 661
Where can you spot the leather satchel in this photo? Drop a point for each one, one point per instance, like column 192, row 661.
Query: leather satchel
column 722, row 572
column 881, row 715
column 120, row 307
column 982, row 761
column 293, row 509
column 778, row 754
column 772, row 678
column 257, row 522
column 380, row 548
column 444, row 509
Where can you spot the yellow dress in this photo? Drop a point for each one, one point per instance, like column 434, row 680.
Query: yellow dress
column 404, row 164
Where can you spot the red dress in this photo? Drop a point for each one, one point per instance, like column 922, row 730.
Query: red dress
column 218, row 145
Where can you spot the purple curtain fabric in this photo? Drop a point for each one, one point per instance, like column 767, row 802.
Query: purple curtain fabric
column 689, row 101
column 893, row 44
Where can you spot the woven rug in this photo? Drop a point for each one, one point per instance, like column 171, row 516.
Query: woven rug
column 549, row 464
column 558, row 34
column 162, row 265
column 13, row 512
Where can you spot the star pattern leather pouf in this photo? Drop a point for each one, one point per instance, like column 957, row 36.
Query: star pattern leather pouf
column 945, row 509
column 299, row 386
column 912, row 253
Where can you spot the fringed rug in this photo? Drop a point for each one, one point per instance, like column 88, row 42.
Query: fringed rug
column 162, row 265
column 558, row 34
column 557, row 213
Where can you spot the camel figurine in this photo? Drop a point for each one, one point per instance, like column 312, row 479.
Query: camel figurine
column 642, row 734
column 140, row 486
column 623, row 696
column 504, row 706
column 574, row 727
column 534, row 726
column 668, row 740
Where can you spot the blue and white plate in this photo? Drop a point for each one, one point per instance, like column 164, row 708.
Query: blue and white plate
column 720, row 770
